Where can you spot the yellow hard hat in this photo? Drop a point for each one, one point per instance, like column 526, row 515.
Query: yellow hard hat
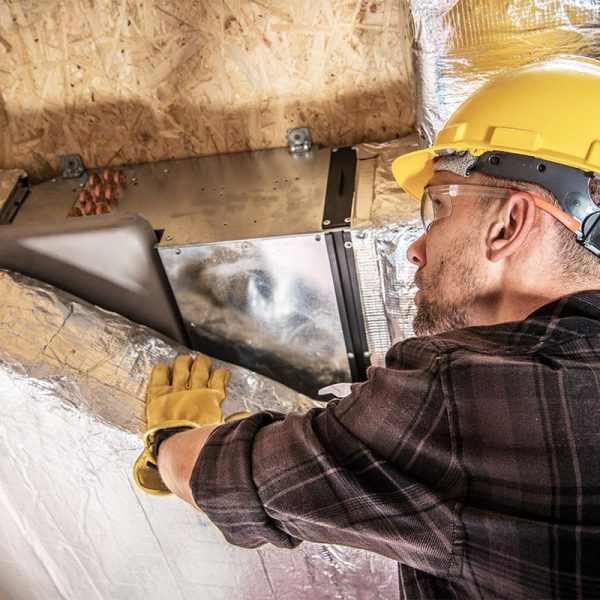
column 548, row 110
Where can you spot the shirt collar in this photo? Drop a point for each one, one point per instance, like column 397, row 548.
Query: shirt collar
column 581, row 304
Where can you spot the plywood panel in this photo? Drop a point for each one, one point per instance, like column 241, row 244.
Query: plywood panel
column 124, row 81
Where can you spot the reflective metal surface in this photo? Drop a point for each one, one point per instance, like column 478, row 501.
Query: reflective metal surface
column 265, row 301
column 74, row 525
column 109, row 260
column 211, row 198
column 460, row 44
column 266, row 304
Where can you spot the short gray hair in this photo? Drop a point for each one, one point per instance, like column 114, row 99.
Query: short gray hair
column 572, row 257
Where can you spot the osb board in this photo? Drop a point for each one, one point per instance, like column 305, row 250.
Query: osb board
column 122, row 81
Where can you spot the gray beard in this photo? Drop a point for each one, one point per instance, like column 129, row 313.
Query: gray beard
column 432, row 317
column 436, row 315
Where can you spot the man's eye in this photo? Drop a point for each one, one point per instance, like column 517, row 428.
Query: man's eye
column 437, row 204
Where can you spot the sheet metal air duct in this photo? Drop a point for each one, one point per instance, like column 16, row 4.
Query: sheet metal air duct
column 72, row 377
column 74, row 525
column 288, row 263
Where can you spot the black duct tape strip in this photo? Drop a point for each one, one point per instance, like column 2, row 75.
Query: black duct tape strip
column 340, row 188
column 14, row 201
column 345, row 280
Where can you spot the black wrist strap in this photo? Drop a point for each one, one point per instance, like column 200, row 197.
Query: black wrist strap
column 164, row 434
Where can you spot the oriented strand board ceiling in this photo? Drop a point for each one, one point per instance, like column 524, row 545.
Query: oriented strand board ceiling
column 124, row 81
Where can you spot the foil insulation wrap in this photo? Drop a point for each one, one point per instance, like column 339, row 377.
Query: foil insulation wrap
column 460, row 44
column 74, row 525
column 381, row 235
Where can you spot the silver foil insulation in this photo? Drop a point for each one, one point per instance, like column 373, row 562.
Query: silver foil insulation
column 74, row 525
column 460, row 44
column 383, row 227
column 72, row 376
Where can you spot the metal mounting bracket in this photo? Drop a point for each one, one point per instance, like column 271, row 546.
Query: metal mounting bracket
column 72, row 165
column 299, row 140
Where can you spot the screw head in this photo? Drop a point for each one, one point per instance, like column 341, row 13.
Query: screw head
column 347, row 220
column 169, row 238
column 348, row 245
column 178, row 251
column 326, row 222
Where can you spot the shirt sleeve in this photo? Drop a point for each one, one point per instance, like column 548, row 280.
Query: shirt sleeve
column 374, row 471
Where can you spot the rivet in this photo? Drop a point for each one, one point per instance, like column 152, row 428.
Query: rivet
column 178, row 251
column 169, row 238
column 318, row 238
column 326, row 222
column 347, row 220
column 348, row 245
column 192, row 324
column 350, row 355
column 366, row 354
column 165, row 170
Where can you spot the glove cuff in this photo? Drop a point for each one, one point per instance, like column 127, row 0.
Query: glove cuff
column 164, row 434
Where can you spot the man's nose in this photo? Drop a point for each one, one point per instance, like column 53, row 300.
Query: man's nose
column 416, row 253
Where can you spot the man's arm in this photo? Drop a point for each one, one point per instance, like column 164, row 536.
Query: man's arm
column 354, row 472
column 177, row 457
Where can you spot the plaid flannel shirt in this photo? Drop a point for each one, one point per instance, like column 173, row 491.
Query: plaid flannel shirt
column 472, row 459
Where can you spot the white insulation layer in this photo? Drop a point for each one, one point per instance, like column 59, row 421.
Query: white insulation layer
column 73, row 524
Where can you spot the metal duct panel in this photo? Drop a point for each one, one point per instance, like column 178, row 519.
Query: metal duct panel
column 267, row 304
column 72, row 380
column 460, row 44
column 109, row 260
column 210, row 198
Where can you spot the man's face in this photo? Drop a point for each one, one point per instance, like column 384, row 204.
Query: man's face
column 451, row 276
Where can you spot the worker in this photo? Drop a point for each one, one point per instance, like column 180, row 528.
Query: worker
column 473, row 457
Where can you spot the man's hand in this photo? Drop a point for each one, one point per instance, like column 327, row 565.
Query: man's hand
column 186, row 396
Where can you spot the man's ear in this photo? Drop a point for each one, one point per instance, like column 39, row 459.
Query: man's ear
column 511, row 226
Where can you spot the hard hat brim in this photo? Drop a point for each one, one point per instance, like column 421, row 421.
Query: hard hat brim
column 413, row 170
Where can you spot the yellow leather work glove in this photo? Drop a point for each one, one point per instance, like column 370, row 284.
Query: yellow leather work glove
column 187, row 395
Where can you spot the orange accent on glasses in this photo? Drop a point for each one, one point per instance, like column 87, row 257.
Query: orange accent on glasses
column 560, row 215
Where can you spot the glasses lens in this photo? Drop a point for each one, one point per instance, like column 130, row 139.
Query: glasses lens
column 427, row 215
column 435, row 205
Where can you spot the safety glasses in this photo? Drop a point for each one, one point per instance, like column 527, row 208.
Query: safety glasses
column 436, row 203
